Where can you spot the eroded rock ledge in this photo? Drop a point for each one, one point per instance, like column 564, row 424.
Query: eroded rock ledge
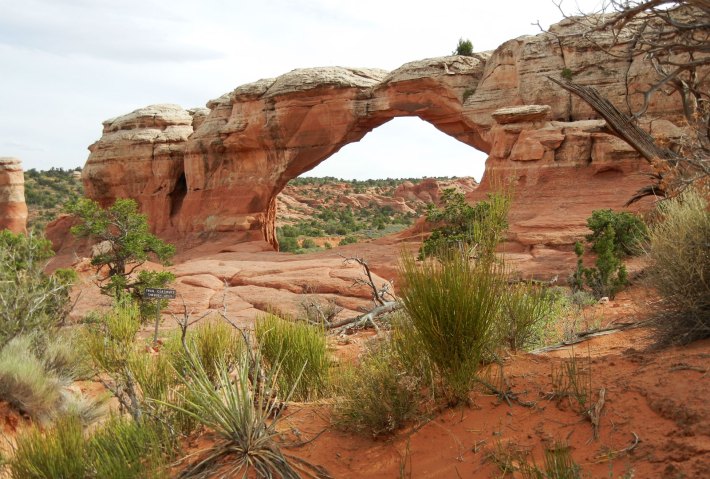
column 199, row 172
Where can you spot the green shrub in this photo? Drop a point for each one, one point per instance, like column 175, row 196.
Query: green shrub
column 679, row 254
column 376, row 396
column 308, row 243
column 477, row 229
column 109, row 342
column 609, row 276
column 62, row 355
column 298, row 351
column 525, row 316
column 407, row 347
column 614, row 235
column 287, row 244
column 348, row 240
column 30, row 301
column 453, row 305
column 464, row 47
column 60, row 452
column 627, row 232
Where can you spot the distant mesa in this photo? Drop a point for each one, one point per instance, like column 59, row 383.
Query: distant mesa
column 13, row 209
column 200, row 172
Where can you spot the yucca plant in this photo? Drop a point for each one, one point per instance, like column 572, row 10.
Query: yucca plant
column 453, row 305
column 243, row 411
column 299, row 351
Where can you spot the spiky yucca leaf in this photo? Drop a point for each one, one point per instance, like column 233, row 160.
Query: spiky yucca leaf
column 242, row 412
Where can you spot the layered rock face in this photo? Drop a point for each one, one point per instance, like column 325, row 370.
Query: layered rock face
column 13, row 209
column 197, row 172
column 141, row 156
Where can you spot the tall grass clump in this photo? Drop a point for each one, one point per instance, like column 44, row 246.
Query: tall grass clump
column 119, row 449
column 242, row 413
column 25, row 383
column 214, row 343
column 376, row 396
column 453, row 305
column 526, row 314
column 125, row 449
column 298, row 351
column 679, row 254
column 60, row 451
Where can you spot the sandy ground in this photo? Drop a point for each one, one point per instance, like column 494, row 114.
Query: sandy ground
column 654, row 418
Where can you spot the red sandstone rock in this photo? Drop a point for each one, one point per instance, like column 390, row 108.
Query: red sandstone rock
column 13, row 209
column 224, row 176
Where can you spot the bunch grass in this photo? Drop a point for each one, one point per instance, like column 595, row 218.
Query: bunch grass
column 376, row 396
column 298, row 351
column 453, row 304
column 679, row 254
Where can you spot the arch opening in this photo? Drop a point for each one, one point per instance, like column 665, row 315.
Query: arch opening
column 367, row 196
column 404, row 147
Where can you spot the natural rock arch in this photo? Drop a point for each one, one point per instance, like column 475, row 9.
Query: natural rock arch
column 237, row 154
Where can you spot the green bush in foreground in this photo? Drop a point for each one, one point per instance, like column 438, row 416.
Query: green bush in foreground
column 215, row 343
column 527, row 311
column 30, row 301
column 679, row 253
column 119, row 449
column 298, row 351
column 59, row 452
column 453, row 305
column 377, row 396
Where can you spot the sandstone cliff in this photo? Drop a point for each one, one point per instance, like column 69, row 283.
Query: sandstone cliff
column 220, row 170
column 13, row 210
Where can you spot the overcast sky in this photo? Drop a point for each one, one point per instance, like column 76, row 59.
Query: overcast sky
column 68, row 65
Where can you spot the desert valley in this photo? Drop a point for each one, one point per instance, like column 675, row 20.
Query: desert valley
column 190, row 303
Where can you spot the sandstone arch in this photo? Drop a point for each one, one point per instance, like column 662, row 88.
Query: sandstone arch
column 240, row 152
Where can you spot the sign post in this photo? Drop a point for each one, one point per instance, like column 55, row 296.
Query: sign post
column 158, row 294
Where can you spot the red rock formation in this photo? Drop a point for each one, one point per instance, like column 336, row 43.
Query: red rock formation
column 13, row 209
column 140, row 156
column 224, row 176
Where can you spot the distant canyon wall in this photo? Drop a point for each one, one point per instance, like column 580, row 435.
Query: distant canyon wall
column 201, row 172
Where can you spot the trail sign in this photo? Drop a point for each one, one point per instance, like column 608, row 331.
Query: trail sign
column 159, row 293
